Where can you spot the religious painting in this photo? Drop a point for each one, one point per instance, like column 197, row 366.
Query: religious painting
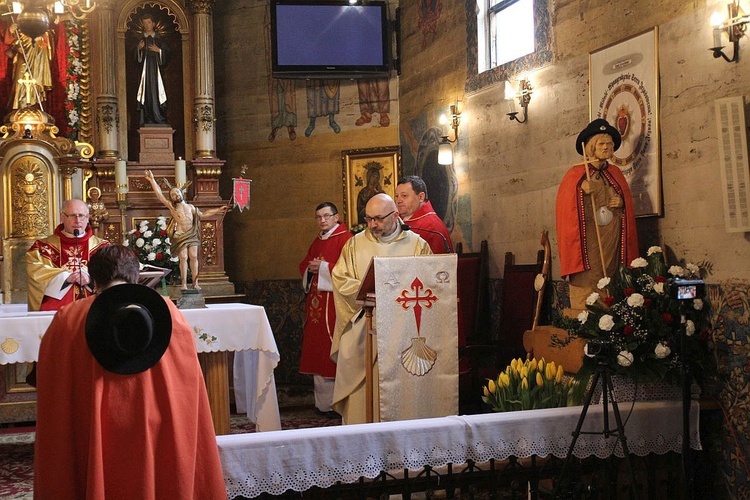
column 367, row 172
column 624, row 90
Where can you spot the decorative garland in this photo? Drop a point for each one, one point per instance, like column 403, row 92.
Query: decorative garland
column 74, row 99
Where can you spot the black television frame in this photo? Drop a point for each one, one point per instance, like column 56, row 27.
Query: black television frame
column 320, row 71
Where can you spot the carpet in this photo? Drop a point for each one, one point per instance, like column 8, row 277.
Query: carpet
column 17, row 447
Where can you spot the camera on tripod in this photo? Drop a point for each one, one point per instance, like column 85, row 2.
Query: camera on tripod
column 686, row 289
column 599, row 348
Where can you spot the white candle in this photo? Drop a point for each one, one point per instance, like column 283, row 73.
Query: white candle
column 180, row 173
column 717, row 37
column 121, row 177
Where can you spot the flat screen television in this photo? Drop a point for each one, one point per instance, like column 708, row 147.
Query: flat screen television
column 329, row 39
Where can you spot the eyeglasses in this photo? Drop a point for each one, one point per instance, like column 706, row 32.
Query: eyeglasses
column 378, row 218
column 76, row 216
column 324, row 216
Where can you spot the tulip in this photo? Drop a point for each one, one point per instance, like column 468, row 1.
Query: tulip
column 506, row 380
column 486, row 392
column 524, row 383
column 533, row 364
column 492, row 387
column 559, row 375
column 539, row 379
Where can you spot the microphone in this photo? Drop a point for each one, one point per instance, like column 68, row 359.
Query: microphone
column 76, row 232
column 406, row 227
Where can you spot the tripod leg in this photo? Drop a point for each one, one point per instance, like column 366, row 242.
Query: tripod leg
column 621, row 436
column 562, row 482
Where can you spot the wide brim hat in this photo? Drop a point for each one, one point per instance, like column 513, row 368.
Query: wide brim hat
column 128, row 328
column 598, row 126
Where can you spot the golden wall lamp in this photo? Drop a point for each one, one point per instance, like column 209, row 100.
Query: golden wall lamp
column 734, row 27
column 445, row 148
column 524, row 97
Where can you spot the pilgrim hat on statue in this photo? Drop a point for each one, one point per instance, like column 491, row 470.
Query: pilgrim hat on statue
column 598, row 126
column 128, row 328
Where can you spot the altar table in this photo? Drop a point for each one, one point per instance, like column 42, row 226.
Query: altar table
column 273, row 462
column 217, row 329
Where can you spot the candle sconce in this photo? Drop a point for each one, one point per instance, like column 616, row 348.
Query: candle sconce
column 445, row 148
column 524, row 98
column 735, row 28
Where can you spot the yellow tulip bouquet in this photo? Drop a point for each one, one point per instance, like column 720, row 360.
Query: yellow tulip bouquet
column 528, row 385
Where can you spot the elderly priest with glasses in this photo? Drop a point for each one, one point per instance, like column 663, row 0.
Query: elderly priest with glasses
column 384, row 237
column 57, row 266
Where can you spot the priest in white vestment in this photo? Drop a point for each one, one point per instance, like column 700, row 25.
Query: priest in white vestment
column 382, row 238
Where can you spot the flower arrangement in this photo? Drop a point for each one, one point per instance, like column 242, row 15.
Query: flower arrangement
column 74, row 73
column 639, row 319
column 152, row 246
column 528, row 385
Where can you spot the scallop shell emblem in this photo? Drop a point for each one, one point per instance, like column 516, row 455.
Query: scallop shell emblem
column 9, row 346
column 419, row 358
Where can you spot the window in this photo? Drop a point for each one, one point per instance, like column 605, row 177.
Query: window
column 509, row 37
column 511, row 30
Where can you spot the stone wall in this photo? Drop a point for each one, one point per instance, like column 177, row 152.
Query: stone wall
column 506, row 174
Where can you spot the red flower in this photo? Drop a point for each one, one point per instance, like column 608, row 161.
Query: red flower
column 159, row 256
column 667, row 318
column 137, row 233
column 628, row 330
column 647, row 303
column 660, row 279
column 609, row 301
column 163, row 232
column 629, row 291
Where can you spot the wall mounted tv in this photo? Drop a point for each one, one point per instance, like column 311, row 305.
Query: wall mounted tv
column 329, row 39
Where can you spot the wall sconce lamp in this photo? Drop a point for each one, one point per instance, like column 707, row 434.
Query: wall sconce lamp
column 524, row 97
column 445, row 148
column 735, row 27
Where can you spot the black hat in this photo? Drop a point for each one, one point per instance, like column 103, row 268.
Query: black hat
column 128, row 328
column 598, row 126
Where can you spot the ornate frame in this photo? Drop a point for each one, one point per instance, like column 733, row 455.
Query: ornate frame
column 355, row 164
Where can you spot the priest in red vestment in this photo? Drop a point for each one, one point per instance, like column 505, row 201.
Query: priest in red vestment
column 122, row 409
column 57, row 266
column 417, row 213
column 320, row 313
column 593, row 208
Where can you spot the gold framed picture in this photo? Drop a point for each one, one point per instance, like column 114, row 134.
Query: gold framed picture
column 367, row 172
column 624, row 90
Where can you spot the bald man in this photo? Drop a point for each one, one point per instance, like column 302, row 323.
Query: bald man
column 382, row 238
column 57, row 266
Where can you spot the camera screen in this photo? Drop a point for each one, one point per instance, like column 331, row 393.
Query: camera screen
column 686, row 292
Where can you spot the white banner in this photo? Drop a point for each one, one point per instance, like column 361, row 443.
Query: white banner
column 417, row 333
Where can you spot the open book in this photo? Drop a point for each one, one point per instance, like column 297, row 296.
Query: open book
column 151, row 276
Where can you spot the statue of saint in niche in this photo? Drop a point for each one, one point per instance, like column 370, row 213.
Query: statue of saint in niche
column 151, row 54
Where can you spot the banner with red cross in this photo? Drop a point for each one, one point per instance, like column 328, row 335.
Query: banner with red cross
column 241, row 193
column 417, row 332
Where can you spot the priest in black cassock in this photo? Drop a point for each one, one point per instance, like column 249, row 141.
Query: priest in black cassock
column 152, row 55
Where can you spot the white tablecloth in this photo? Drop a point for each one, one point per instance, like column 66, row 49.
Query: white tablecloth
column 241, row 328
column 274, row 462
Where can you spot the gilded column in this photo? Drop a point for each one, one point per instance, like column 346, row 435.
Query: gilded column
column 203, row 109
column 107, row 117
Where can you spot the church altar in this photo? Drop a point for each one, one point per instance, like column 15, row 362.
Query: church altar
column 218, row 329
column 300, row 459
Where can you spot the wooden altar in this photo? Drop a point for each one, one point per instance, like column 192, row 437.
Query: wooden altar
column 65, row 145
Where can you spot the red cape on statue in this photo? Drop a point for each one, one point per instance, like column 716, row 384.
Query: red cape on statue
column 570, row 223
column 104, row 435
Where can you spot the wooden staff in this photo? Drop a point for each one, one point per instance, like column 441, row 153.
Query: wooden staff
column 586, row 163
column 544, row 275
